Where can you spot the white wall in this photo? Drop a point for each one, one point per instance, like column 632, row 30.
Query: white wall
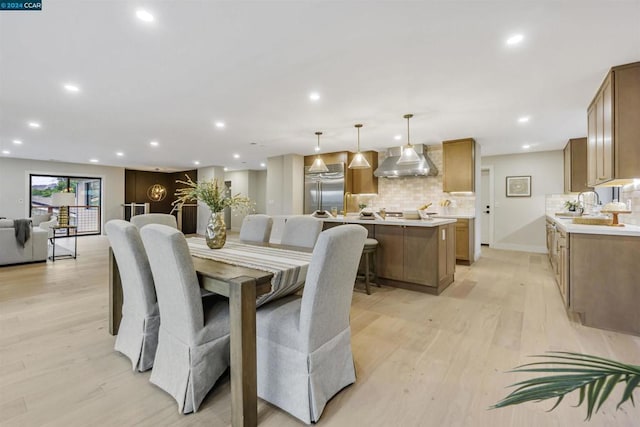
column 14, row 185
column 258, row 190
column 285, row 185
column 239, row 185
column 519, row 222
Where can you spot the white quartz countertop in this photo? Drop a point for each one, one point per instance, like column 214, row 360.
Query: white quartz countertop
column 567, row 225
column 393, row 221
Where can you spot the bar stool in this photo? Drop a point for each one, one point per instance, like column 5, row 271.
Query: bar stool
column 369, row 252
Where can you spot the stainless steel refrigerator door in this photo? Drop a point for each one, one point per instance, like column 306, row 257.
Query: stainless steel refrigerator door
column 311, row 194
column 324, row 190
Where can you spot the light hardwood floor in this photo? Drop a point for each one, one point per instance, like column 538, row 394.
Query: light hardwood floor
column 421, row 360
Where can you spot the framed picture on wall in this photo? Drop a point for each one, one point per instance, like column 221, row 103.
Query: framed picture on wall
column 519, row 186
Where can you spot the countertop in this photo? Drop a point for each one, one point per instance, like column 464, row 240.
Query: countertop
column 567, row 225
column 393, row 221
column 459, row 216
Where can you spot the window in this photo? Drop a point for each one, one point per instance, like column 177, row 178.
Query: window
column 85, row 213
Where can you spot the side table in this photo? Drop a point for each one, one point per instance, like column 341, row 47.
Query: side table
column 71, row 232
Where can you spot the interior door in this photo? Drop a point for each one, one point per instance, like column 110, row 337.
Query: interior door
column 485, row 204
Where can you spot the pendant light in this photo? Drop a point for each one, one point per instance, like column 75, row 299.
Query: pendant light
column 408, row 154
column 318, row 164
column 359, row 161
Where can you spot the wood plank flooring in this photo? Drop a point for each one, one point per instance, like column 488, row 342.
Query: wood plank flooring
column 421, row 360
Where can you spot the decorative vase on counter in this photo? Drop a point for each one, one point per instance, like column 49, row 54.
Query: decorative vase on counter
column 216, row 232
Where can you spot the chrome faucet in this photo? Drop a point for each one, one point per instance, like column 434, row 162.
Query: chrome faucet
column 345, row 202
column 583, row 204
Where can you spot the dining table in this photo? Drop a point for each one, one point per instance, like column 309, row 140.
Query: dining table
column 248, row 274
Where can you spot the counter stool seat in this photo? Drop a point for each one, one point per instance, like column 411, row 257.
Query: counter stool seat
column 369, row 254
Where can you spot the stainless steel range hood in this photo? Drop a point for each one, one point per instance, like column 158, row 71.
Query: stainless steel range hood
column 391, row 169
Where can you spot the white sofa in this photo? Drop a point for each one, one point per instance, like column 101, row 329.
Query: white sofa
column 35, row 249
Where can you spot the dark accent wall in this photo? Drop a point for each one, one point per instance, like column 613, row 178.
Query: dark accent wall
column 137, row 183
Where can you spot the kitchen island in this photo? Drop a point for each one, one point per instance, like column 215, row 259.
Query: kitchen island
column 419, row 255
column 596, row 267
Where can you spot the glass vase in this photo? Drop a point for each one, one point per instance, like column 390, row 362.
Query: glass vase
column 216, row 232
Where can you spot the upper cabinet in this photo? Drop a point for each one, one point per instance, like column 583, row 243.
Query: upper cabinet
column 614, row 128
column 575, row 166
column 458, row 161
column 362, row 180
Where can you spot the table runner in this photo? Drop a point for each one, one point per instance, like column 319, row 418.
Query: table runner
column 289, row 268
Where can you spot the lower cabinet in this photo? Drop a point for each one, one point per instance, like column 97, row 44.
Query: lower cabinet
column 417, row 258
column 465, row 241
column 562, row 275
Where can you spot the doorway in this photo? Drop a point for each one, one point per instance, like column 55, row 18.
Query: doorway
column 486, row 206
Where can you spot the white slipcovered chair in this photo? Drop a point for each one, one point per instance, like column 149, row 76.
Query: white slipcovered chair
column 138, row 332
column 301, row 231
column 304, row 343
column 154, row 218
column 193, row 343
column 256, row 228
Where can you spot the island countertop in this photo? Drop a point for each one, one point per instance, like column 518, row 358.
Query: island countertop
column 392, row 221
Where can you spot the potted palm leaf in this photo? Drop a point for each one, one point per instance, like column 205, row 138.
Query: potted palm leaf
column 216, row 197
column 594, row 377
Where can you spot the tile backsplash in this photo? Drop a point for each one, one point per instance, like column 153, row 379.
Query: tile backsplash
column 407, row 193
column 631, row 192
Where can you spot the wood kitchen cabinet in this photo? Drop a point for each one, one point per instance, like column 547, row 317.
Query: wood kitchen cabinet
column 603, row 271
column 465, row 240
column 458, row 161
column 562, row 275
column 613, row 128
column 362, row 180
column 575, row 166
column 416, row 258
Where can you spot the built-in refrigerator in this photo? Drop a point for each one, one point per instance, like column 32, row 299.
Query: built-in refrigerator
column 324, row 190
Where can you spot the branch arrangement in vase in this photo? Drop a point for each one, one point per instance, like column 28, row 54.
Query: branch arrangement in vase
column 212, row 194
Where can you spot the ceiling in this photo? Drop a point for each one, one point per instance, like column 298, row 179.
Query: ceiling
column 253, row 65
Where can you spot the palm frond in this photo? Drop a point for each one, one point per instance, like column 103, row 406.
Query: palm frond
column 595, row 378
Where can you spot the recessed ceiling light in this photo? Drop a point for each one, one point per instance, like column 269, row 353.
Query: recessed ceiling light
column 314, row 96
column 71, row 88
column 145, row 16
column 397, row 137
column 523, row 119
column 34, row 125
column 263, row 165
column 195, row 162
column 17, row 141
column 119, row 154
column 93, row 160
column 526, row 146
column 515, row 39
column 6, row 152
column 154, row 143
column 220, row 125
column 236, row 156
column 225, row 169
